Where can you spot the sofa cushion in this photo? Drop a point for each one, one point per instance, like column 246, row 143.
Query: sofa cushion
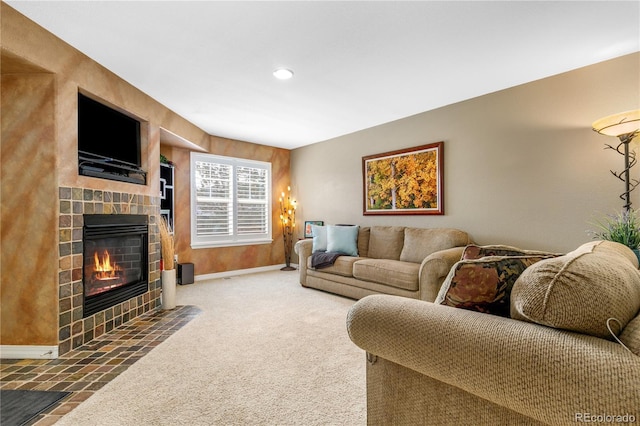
column 342, row 266
column 630, row 336
column 342, row 239
column 580, row 290
column 319, row 238
column 386, row 242
column 420, row 243
column 473, row 251
column 394, row 273
column 484, row 284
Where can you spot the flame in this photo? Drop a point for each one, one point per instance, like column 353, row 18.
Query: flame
column 103, row 267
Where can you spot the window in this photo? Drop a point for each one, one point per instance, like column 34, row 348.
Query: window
column 230, row 201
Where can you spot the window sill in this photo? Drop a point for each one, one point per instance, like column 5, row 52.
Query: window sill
column 220, row 244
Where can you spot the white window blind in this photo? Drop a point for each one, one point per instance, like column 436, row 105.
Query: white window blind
column 230, row 202
column 252, row 200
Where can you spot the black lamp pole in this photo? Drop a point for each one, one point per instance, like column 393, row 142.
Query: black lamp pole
column 629, row 161
column 625, row 126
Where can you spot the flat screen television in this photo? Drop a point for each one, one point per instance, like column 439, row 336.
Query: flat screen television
column 108, row 142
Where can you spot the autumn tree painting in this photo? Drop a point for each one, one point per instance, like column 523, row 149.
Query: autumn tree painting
column 404, row 182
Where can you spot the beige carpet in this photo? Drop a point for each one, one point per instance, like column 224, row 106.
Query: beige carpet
column 265, row 351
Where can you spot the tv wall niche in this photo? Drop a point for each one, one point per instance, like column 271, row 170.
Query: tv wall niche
column 109, row 143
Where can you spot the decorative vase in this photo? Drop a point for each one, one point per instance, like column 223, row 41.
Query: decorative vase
column 169, row 289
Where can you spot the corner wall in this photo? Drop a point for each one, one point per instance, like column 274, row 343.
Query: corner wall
column 522, row 165
column 41, row 76
column 215, row 260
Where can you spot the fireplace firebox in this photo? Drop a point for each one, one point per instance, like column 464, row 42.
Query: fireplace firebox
column 116, row 261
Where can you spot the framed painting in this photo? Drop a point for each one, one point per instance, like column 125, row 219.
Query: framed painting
column 408, row 181
column 307, row 227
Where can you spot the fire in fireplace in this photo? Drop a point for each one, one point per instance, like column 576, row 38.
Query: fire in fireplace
column 105, row 275
column 115, row 260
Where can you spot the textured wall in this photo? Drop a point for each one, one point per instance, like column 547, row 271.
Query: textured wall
column 28, row 280
column 211, row 260
column 41, row 76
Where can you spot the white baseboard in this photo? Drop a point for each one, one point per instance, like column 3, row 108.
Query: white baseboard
column 28, row 352
column 239, row 272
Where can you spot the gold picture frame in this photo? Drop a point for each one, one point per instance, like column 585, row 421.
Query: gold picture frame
column 407, row 181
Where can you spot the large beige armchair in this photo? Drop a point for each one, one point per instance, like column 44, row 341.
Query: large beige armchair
column 430, row 364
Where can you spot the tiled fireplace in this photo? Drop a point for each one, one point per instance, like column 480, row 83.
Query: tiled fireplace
column 76, row 326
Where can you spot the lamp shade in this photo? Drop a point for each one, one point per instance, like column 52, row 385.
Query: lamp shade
column 618, row 124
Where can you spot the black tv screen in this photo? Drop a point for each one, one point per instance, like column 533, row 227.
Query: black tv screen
column 107, row 133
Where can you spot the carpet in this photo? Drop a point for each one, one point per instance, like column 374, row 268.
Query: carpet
column 264, row 351
column 19, row 407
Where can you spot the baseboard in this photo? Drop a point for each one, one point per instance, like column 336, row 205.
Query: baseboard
column 237, row 272
column 28, row 352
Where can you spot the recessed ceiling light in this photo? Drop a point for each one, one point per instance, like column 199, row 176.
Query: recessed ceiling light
column 283, row 74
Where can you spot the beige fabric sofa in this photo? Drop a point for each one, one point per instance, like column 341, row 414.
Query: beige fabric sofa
column 402, row 261
column 431, row 364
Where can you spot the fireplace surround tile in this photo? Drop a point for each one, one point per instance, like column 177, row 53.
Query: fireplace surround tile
column 74, row 330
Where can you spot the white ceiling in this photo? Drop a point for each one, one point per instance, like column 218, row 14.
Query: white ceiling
column 357, row 64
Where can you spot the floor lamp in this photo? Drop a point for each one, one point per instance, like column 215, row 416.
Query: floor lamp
column 625, row 126
column 288, row 220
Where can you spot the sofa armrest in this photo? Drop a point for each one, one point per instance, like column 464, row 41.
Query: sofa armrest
column 434, row 269
column 303, row 249
column 544, row 373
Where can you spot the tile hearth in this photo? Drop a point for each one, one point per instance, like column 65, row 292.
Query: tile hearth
column 86, row 369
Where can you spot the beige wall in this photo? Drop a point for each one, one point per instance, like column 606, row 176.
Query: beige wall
column 522, row 166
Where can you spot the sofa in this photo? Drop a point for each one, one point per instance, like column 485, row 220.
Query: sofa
column 568, row 351
column 402, row 261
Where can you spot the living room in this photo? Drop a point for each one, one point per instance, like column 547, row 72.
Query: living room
column 522, row 167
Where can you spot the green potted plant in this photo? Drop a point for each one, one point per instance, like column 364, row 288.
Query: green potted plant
column 623, row 228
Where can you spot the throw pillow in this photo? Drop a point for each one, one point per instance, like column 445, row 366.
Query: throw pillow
column 580, row 290
column 485, row 284
column 630, row 335
column 342, row 239
column 473, row 251
column 319, row 238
